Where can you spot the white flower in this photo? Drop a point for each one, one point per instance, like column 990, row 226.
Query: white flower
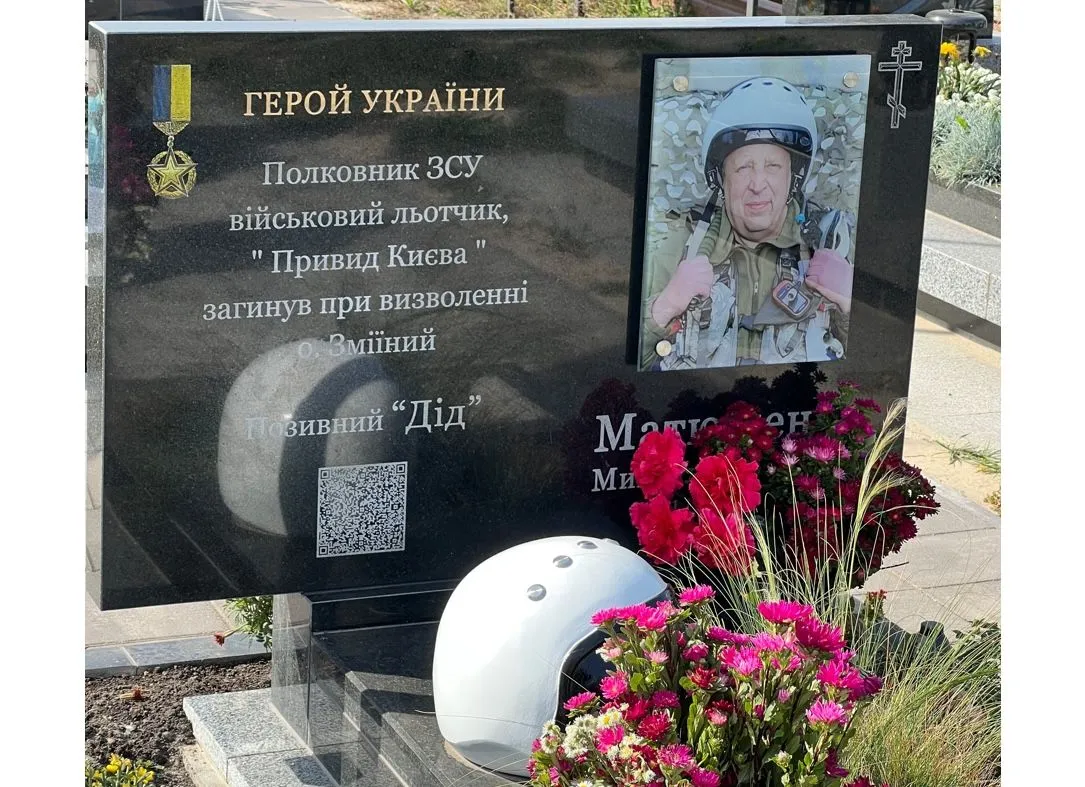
column 610, row 718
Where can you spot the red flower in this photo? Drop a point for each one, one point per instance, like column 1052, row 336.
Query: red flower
column 727, row 483
column 727, row 544
column 832, row 767
column 637, row 709
column 703, row 678
column 659, row 463
column 654, row 726
column 664, row 534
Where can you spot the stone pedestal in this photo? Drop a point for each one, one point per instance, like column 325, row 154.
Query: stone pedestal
column 351, row 678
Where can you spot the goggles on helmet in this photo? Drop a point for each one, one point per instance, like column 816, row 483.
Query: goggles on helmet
column 584, row 668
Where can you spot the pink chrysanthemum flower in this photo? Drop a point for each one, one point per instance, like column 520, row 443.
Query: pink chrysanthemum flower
column 664, row 699
column 676, row 755
column 702, row 777
column 697, row 593
column 632, row 612
column 836, row 673
column 716, row 716
column 614, row 686
column 826, row 712
column 812, row 633
column 744, row 661
column 766, row 641
column 783, row 695
column 606, row 616
column 695, row 652
column 789, row 460
column 654, row 726
column 783, row 611
column 869, row 404
column 578, row 701
column 822, row 450
column 667, row 608
column 656, row 656
column 610, row 654
column 789, row 445
column 651, row 619
column 839, row 474
column 607, row 737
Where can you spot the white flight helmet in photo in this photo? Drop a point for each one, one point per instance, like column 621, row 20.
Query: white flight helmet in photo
column 759, row 110
column 516, row 640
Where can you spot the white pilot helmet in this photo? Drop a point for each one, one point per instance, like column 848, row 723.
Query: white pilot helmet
column 759, row 110
column 516, row 640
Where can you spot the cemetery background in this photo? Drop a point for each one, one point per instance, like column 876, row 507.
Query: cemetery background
column 939, row 420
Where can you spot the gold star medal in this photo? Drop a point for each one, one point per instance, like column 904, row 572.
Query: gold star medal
column 172, row 173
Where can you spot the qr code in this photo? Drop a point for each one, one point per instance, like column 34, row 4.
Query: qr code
column 361, row 509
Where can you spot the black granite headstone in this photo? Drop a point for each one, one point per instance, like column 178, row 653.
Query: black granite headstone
column 370, row 296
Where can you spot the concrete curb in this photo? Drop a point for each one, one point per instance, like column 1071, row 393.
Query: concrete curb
column 136, row 657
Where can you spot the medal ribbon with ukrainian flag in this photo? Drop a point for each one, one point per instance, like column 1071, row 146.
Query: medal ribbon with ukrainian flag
column 172, row 173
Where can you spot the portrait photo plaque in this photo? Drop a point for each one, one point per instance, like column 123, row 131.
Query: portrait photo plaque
column 752, row 210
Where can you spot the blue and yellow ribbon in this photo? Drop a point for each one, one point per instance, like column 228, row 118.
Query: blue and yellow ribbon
column 172, row 98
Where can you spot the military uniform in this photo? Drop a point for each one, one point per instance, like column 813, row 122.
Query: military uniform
column 745, row 326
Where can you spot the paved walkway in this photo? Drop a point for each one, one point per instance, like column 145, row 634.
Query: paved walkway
column 951, row 572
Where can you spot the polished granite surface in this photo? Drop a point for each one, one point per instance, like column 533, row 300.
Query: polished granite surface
column 232, row 441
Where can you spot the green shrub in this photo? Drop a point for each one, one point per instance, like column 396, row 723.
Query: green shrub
column 119, row 772
column 253, row 615
column 967, row 142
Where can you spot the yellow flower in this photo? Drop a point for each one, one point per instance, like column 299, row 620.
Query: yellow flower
column 949, row 49
column 112, row 767
column 981, row 51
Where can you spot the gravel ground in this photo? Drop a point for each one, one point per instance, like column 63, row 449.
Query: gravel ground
column 154, row 726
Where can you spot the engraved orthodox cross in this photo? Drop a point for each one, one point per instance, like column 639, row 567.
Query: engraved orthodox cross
column 901, row 52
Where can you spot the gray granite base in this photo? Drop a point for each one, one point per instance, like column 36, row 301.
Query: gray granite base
column 377, row 685
column 369, row 720
column 248, row 744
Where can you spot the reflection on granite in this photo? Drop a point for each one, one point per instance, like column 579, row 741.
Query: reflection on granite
column 290, row 660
